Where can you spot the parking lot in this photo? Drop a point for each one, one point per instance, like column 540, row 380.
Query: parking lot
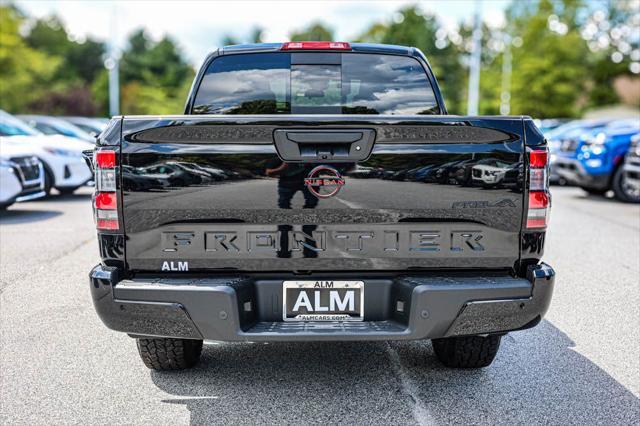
column 59, row 364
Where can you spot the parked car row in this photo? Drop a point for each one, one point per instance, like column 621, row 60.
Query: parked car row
column 36, row 158
column 38, row 153
column 591, row 154
column 468, row 171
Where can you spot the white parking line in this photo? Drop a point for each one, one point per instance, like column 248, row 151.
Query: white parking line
column 421, row 414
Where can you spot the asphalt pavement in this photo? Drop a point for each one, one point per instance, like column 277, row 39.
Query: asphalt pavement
column 60, row 365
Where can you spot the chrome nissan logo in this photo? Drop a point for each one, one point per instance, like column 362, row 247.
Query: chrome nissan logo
column 324, row 182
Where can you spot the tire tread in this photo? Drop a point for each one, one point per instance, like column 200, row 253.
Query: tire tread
column 618, row 189
column 169, row 354
column 467, row 351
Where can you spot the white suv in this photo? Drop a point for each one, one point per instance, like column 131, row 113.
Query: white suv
column 64, row 166
column 21, row 175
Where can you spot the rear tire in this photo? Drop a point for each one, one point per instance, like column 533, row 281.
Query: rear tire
column 622, row 190
column 169, row 354
column 48, row 182
column 467, row 351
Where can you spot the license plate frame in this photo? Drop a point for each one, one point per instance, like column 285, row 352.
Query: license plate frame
column 313, row 287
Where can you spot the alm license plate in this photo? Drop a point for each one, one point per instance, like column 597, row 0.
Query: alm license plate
column 323, row 300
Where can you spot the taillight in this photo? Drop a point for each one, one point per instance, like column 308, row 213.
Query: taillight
column 316, row 45
column 106, row 199
column 539, row 197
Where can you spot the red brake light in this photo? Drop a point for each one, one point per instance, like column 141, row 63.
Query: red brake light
column 538, row 200
column 106, row 201
column 538, row 159
column 106, row 211
column 539, row 197
column 106, row 198
column 316, row 45
column 106, row 159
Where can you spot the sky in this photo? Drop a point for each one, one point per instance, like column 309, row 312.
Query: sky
column 199, row 26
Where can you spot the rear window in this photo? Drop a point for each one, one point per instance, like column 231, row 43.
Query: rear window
column 282, row 83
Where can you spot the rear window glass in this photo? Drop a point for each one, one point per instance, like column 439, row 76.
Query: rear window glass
column 268, row 83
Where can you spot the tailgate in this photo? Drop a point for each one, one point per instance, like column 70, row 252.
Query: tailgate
column 312, row 193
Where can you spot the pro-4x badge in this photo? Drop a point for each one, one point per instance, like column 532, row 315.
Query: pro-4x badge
column 324, row 182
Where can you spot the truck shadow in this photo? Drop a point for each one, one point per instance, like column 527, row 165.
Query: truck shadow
column 536, row 378
column 16, row 215
column 605, row 198
column 82, row 195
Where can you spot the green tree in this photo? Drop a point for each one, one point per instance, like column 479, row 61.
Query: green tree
column 229, row 40
column 254, row 37
column 100, row 92
column 82, row 58
column 493, row 47
column 374, row 34
column 74, row 100
column 611, row 32
column 603, row 74
column 25, row 73
column 411, row 27
column 155, row 77
column 155, row 63
column 550, row 67
column 81, row 64
column 314, row 32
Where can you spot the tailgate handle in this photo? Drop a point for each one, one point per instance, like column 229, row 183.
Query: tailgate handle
column 314, row 146
column 324, row 137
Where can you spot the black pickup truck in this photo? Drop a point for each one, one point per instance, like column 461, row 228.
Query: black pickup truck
column 320, row 191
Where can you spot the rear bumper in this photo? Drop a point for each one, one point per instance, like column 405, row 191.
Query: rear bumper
column 249, row 309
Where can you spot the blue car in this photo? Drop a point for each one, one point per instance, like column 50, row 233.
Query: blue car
column 563, row 141
column 593, row 161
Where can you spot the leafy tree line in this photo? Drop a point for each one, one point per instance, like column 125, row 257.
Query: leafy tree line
column 44, row 69
column 567, row 56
